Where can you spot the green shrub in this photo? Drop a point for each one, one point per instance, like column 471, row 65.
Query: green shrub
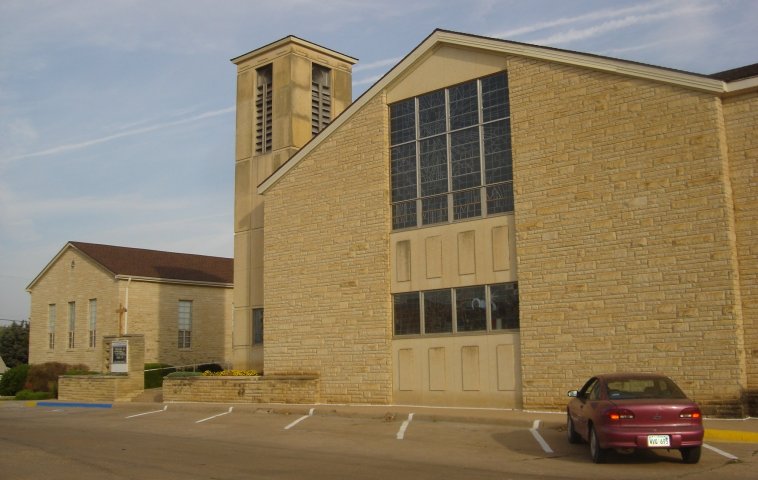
column 154, row 378
column 13, row 380
column 43, row 377
column 184, row 374
column 30, row 395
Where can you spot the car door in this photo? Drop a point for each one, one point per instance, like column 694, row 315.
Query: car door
column 583, row 412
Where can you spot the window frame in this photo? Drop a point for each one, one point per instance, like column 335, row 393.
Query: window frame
column 184, row 335
column 473, row 189
column 92, row 323
column 52, row 314
column 456, row 329
column 257, row 326
column 71, row 325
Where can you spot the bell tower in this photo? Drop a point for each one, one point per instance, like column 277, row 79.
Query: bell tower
column 287, row 92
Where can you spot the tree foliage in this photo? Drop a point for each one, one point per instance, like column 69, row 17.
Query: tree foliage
column 14, row 344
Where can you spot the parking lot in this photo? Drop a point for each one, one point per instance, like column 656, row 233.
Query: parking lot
column 252, row 441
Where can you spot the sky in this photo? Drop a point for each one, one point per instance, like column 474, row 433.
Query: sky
column 117, row 116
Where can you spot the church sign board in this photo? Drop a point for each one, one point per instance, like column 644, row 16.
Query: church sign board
column 119, row 356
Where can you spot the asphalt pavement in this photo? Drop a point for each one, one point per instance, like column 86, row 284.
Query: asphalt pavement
column 716, row 429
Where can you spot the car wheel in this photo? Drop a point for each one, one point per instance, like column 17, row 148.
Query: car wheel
column 573, row 437
column 691, row 454
column 599, row 455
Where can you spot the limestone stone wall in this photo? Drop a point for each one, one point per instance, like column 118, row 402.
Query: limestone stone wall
column 741, row 118
column 109, row 387
column 268, row 389
column 154, row 312
column 72, row 278
column 99, row 388
column 623, row 234
column 326, row 268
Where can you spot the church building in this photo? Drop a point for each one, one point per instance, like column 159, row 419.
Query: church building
column 180, row 302
column 492, row 222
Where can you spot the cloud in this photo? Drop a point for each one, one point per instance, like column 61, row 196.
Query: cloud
column 128, row 133
column 388, row 62
column 598, row 15
column 617, row 24
column 368, row 80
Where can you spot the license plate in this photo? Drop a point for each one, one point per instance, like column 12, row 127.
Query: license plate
column 658, row 441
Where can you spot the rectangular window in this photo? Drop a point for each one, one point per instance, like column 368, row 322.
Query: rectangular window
column 185, row 324
column 481, row 308
column 321, row 98
column 438, row 314
column 263, row 109
column 92, row 323
column 51, row 314
column 470, row 309
column 407, row 313
column 450, row 154
column 71, row 324
column 504, row 305
column 257, row 326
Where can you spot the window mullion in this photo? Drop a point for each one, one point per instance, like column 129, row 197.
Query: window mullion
column 417, row 134
column 454, row 307
column 488, row 308
column 449, row 155
column 422, row 317
column 482, row 166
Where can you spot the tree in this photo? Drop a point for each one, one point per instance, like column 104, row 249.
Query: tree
column 14, row 344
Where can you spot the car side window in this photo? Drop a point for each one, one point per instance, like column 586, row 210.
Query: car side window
column 594, row 393
column 588, row 389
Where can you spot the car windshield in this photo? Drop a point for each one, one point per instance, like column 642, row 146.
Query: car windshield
column 645, row 387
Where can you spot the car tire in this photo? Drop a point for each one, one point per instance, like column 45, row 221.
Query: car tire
column 573, row 437
column 599, row 455
column 691, row 454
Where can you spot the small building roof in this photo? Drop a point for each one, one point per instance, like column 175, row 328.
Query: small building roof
column 153, row 264
column 740, row 73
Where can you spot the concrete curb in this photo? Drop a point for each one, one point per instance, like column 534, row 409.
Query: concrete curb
column 713, row 435
column 39, row 403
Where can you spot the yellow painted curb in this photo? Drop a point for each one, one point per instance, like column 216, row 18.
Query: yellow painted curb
column 730, row 436
column 30, row 403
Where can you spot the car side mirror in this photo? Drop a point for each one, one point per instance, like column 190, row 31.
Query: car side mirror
column 573, row 393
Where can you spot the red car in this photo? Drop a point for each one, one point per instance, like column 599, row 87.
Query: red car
column 630, row 411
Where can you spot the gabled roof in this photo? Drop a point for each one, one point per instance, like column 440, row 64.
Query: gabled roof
column 718, row 84
column 144, row 264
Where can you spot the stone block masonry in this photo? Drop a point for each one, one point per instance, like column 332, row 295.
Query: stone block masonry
column 327, row 280
column 621, row 187
column 266, row 389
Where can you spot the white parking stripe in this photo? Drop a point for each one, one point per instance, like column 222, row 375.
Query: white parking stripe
column 214, row 416
column 538, row 437
column 149, row 413
column 404, row 427
column 310, row 414
column 720, row 452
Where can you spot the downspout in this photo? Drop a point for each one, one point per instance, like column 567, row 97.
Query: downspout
column 126, row 307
